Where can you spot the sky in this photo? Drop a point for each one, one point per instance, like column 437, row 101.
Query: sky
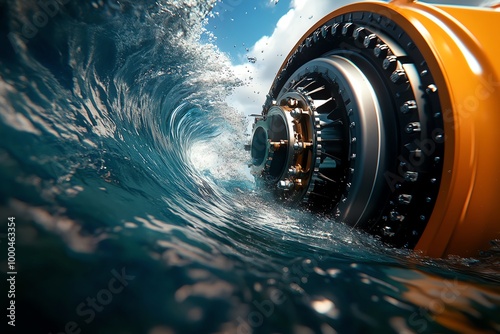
column 238, row 24
column 266, row 30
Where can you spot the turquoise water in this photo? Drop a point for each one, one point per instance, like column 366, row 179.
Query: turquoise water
column 126, row 173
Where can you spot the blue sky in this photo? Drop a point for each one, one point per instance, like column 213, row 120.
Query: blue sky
column 265, row 30
column 269, row 31
column 238, row 24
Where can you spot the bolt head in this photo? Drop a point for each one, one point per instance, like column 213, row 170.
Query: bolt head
column 408, row 106
column 298, row 146
column 285, row 184
column 396, row 216
column 413, row 127
column 390, row 63
column 335, row 28
column 432, row 88
column 296, row 113
column 324, row 31
column 404, row 199
column 381, row 50
column 292, row 102
column 316, row 36
column 398, row 76
column 357, row 34
column 370, row 41
column 347, row 29
column 411, row 176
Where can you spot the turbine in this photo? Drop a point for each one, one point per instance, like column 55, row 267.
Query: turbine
column 385, row 115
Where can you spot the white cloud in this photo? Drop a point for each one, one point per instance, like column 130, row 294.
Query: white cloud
column 271, row 51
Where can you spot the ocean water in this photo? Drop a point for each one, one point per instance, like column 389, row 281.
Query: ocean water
column 125, row 171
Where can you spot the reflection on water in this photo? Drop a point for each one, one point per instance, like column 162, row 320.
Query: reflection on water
column 461, row 306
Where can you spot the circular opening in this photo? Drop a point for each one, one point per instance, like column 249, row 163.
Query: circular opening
column 259, row 146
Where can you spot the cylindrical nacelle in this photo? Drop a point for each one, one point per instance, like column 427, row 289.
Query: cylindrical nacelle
column 385, row 115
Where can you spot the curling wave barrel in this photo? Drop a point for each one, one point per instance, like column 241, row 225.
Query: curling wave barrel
column 385, row 115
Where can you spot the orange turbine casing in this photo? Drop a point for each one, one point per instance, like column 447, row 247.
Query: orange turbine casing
column 464, row 54
column 461, row 50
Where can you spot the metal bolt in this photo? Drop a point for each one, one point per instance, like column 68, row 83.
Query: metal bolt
column 335, row 29
column 394, row 215
column 358, row 33
column 381, row 51
column 324, row 31
column 398, row 76
column 298, row 146
column 404, row 199
column 347, row 29
column 411, row 176
column 294, row 170
column 408, row 106
column 432, row 88
column 390, row 63
column 285, row 184
column 296, row 113
column 413, row 127
column 292, row 102
column 370, row 41
column 275, row 145
column 416, row 153
column 316, row 36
